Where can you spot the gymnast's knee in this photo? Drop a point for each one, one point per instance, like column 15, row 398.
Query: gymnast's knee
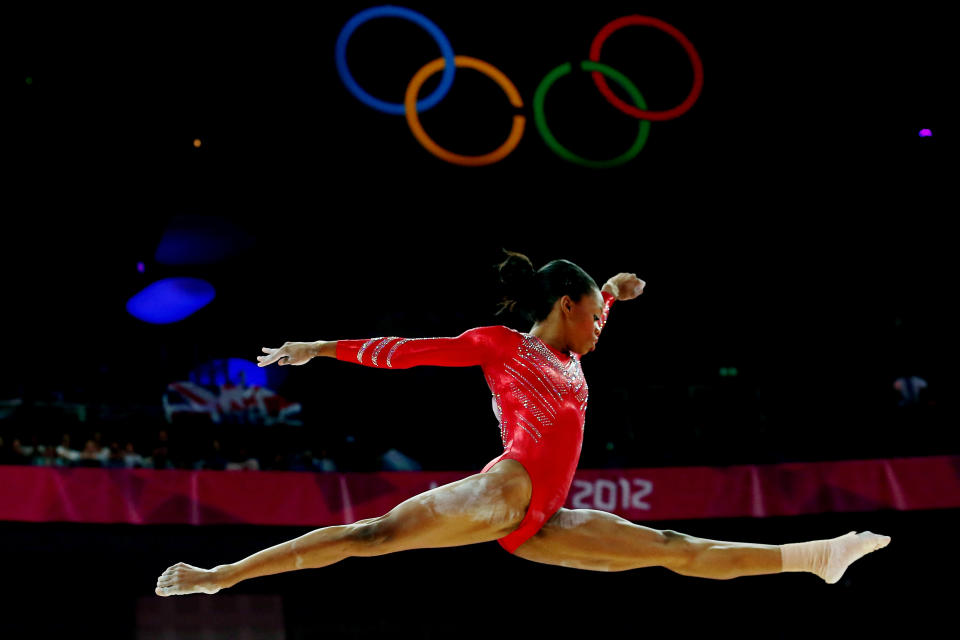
column 369, row 537
column 678, row 548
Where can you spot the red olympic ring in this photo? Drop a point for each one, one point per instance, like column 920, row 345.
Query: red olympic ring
column 601, row 82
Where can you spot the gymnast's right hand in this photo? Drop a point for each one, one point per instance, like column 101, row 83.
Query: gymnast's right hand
column 295, row 353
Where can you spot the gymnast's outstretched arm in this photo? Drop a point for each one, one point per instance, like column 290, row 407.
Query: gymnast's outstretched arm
column 472, row 347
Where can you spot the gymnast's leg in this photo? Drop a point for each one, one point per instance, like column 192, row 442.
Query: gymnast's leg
column 479, row 508
column 601, row 541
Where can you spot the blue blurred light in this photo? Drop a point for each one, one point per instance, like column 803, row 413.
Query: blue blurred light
column 140, row 267
column 170, row 300
column 251, row 373
column 200, row 240
column 233, row 370
column 926, row 133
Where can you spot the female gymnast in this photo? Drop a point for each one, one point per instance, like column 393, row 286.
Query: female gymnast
column 539, row 396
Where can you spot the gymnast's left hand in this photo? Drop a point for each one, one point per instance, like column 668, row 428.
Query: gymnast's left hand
column 625, row 286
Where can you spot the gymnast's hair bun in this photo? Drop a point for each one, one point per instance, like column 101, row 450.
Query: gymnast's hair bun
column 517, row 276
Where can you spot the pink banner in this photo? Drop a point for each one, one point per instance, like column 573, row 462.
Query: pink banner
column 143, row 496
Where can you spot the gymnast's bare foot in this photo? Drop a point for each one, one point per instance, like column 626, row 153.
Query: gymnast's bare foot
column 181, row 579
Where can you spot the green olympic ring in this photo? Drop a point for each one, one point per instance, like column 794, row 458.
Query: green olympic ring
column 541, row 121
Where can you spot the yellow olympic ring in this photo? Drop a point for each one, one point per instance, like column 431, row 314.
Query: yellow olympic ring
column 410, row 105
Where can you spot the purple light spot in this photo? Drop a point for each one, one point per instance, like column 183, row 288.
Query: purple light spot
column 140, row 267
column 926, row 133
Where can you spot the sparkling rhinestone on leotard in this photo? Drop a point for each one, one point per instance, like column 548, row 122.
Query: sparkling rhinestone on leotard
column 533, row 347
column 364, row 348
column 503, row 423
column 401, row 342
column 530, row 405
column 529, row 424
column 535, row 438
column 542, row 384
column 545, row 403
column 379, row 348
column 581, row 392
column 394, row 348
column 537, row 375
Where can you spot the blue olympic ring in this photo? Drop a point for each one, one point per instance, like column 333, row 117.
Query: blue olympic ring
column 387, row 11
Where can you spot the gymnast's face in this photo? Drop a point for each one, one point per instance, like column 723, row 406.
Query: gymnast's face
column 583, row 322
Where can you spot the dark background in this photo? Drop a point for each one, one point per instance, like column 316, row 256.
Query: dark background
column 792, row 224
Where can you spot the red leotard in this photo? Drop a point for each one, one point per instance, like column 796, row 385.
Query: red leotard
column 539, row 397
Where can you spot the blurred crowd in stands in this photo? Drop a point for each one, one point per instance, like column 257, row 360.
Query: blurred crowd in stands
column 713, row 431
column 56, row 433
column 161, row 453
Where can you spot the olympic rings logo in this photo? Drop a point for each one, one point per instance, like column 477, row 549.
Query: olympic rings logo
column 448, row 63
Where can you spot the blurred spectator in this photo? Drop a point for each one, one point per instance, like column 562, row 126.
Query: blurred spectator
column 304, row 461
column 160, row 456
column 14, row 454
column 65, row 451
column 132, row 459
column 394, row 460
column 243, row 462
column 115, row 456
column 324, row 462
column 103, row 449
column 29, row 450
column 49, row 458
column 214, row 459
column 19, row 454
column 90, row 456
column 278, row 463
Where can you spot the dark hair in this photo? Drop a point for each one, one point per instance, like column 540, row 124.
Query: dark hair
column 531, row 292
